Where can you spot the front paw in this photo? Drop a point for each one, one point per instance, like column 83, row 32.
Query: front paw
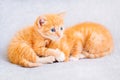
column 51, row 59
column 61, row 56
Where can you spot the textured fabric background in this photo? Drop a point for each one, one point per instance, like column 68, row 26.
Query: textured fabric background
column 16, row 14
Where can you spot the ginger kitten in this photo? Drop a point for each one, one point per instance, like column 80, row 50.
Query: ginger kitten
column 31, row 42
column 85, row 40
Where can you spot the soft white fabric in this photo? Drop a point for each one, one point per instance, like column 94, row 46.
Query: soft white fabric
column 16, row 14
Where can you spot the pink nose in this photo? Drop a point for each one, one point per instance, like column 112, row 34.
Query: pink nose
column 57, row 34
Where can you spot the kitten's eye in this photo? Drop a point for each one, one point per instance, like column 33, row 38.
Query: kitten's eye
column 53, row 29
column 61, row 28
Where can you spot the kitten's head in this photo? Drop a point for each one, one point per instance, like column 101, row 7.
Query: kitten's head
column 50, row 26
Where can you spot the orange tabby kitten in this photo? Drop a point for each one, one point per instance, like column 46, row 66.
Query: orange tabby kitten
column 85, row 40
column 31, row 42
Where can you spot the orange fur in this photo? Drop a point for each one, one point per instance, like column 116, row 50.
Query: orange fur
column 31, row 42
column 85, row 40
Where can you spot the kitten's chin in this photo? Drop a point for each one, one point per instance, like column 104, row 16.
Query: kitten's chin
column 55, row 39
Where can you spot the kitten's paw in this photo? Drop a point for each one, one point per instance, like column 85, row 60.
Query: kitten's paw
column 81, row 56
column 73, row 58
column 51, row 59
column 61, row 56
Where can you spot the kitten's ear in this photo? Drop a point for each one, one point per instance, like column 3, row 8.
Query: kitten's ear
column 62, row 14
column 41, row 21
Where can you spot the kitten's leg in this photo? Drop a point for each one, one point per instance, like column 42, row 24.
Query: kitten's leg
column 76, row 51
column 67, row 54
column 45, row 52
column 45, row 60
column 96, row 46
column 59, row 55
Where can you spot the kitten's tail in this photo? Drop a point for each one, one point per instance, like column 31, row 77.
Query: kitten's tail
column 88, row 55
column 26, row 63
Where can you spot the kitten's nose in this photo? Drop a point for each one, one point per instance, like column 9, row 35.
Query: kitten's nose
column 57, row 34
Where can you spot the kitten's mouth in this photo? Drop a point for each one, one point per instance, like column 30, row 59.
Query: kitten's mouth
column 55, row 38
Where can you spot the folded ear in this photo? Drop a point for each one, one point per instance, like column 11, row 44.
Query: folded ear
column 41, row 20
column 61, row 14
